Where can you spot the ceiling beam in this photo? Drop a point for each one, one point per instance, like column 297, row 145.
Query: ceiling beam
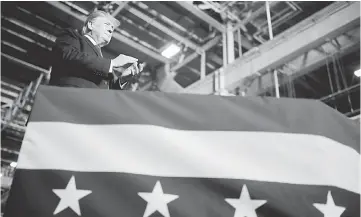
column 194, row 55
column 165, row 77
column 120, row 7
column 211, row 21
column 253, row 15
column 244, row 41
column 332, row 21
column 202, row 15
column 116, row 35
column 215, row 58
column 313, row 62
column 164, row 29
column 26, row 64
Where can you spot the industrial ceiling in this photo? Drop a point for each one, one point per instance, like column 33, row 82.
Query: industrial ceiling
column 322, row 71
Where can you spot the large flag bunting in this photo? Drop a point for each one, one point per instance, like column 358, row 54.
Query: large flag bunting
column 106, row 153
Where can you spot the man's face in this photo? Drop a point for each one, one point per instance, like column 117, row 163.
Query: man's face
column 102, row 30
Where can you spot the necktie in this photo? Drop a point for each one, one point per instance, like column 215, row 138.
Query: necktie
column 99, row 50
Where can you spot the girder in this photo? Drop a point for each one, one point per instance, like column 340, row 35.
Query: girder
column 309, row 61
column 333, row 21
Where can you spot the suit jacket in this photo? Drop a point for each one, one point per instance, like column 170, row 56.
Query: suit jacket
column 76, row 62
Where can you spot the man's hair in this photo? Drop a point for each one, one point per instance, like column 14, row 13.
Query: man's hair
column 95, row 15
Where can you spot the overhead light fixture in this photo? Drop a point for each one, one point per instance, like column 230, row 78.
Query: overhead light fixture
column 171, row 50
column 13, row 164
column 358, row 73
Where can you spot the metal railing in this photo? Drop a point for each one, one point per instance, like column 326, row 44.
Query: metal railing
column 26, row 96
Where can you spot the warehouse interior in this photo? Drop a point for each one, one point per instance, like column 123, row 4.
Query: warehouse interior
column 295, row 49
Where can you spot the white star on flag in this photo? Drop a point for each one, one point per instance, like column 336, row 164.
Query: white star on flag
column 245, row 206
column 69, row 197
column 330, row 209
column 157, row 201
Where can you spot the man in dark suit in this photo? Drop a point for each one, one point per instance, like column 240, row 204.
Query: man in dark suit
column 77, row 57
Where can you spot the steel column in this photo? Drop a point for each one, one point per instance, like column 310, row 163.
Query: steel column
column 224, row 49
column 216, row 81
column 269, row 20
column 221, row 79
column 220, row 72
column 203, row 65
column 270, row 31
column 167, row 68
column 230, row 43
column 239, row 42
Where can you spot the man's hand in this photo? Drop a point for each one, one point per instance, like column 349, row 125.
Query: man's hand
column 133, row 70
column 122, row 60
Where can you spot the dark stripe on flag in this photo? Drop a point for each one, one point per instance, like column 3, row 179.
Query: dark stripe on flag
column 194, row 112
column 116, row 194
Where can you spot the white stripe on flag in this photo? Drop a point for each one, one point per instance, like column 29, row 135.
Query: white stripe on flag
column 152, row 150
